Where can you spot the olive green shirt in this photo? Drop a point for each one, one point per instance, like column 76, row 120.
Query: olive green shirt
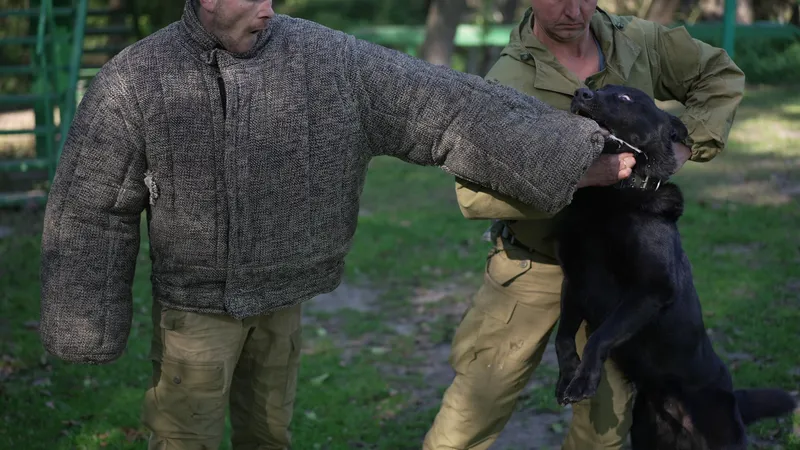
column 667, row 64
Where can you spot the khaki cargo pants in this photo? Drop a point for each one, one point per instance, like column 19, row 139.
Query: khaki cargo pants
column 204, row 363
column 496, row 349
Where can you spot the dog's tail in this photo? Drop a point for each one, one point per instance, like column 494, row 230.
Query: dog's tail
column 757, row 404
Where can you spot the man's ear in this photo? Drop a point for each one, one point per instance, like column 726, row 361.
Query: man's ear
column 679, row 131
column 208, row 5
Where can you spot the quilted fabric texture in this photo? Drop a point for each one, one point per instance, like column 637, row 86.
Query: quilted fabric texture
column 250, row 168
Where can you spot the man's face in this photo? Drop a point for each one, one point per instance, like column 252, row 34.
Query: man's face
column 563, row 20
column 237, row 23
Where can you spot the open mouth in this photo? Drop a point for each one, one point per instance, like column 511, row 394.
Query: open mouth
column 576, row 109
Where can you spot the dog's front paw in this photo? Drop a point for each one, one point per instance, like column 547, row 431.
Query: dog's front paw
column 582, row 386
column 561, row 386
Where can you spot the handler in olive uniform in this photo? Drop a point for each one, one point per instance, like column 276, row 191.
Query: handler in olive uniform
column 502, row 337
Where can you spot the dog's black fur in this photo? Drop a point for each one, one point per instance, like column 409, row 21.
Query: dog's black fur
column 627, row 276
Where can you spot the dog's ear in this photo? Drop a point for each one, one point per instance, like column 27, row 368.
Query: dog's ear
column 679, row 131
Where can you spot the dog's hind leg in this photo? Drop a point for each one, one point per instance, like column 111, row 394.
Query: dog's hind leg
column 627, row 319
column 715, row 415
column 662, row 423
column 566, row 350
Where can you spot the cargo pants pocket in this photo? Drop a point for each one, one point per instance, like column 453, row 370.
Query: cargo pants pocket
column 520, row 304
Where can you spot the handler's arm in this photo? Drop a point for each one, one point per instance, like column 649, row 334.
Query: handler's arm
column 706, row 81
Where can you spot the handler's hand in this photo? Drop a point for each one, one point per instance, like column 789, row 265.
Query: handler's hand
column 608, row 169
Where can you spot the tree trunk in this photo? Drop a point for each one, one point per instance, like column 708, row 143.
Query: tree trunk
column 795, row 20
column 744, row 11
column 508, row 11
column 116, row 20
column 711, row 10
column 443, row 19
column 662, row 11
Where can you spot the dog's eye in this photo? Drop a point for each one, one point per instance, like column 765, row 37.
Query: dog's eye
column 624, row 98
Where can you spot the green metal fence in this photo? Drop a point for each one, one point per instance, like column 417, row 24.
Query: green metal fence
column 56, row 46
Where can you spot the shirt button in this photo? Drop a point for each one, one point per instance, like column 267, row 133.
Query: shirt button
column 176, row 380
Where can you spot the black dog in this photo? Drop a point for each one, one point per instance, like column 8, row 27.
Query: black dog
column 628, row 277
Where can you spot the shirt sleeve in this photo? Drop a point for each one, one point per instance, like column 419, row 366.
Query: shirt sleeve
column 705, row 80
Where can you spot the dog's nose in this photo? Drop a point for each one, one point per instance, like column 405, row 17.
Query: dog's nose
column 584, row 94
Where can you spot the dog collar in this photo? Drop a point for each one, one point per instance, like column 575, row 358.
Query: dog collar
column 635, row 181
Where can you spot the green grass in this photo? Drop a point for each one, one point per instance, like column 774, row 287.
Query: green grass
column 740, row 230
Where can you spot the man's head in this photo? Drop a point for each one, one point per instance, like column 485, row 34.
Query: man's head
column 236, row 23
column 563, row 20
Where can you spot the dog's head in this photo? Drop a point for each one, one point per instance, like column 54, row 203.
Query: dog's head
column 631, row 115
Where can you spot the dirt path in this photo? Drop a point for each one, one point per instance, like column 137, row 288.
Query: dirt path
column 440, row 310
column 430, row 319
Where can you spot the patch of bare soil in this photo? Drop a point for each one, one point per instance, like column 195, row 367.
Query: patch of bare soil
column 434, row 315
column 430, row 322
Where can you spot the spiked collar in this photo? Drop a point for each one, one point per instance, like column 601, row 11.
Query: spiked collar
column 636, row 181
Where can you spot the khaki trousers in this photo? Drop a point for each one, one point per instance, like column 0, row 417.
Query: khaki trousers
column 496, row 350
column 204, row 363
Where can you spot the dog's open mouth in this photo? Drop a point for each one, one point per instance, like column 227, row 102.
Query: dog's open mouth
column 584, row 112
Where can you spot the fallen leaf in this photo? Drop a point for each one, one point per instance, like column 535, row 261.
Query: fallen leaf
column 379, row 350
column 42, row 382
column 50, row 405
column 134, row 434
column 8, row 365
column 316, row 381
column 740, row 356
column 557, row 427
column 311, row 415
